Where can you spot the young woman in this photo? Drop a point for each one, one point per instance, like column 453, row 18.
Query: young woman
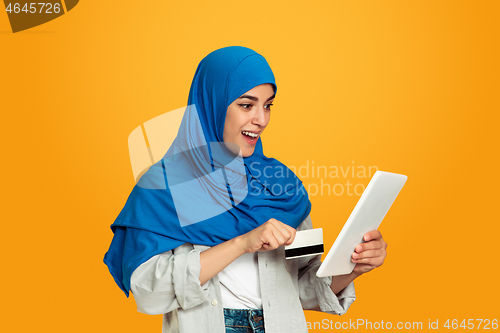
column 200, row 239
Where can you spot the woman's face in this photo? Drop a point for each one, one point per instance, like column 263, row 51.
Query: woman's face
column 247, row 117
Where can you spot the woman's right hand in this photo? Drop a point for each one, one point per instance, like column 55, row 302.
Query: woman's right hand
column 268, row 236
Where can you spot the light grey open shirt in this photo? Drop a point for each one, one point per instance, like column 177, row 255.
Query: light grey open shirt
column 169, row 284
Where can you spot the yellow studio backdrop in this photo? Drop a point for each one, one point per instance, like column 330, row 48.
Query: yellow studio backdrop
column 404, row 86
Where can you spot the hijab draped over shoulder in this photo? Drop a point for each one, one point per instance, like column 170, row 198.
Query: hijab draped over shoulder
column 201, row 192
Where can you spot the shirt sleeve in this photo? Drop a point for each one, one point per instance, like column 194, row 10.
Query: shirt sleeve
column 315, row 290
column 169, row 281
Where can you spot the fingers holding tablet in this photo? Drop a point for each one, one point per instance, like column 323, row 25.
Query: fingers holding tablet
column 361, row 225
column 371, row 254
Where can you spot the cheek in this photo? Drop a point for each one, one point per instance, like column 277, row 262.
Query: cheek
column 227, row 135
column 229, row 129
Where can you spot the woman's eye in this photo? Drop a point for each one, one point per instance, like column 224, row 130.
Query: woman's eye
column 246, row 106
column 268, row 106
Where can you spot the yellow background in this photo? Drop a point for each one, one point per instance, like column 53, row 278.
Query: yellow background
column 408, row 86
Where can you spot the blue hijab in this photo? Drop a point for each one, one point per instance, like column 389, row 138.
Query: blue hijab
column 201, row 192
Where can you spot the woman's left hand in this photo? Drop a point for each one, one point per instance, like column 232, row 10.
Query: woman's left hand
column 371, row 254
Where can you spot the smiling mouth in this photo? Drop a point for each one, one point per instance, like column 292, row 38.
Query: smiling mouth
column 250, row 137
column 250, row 134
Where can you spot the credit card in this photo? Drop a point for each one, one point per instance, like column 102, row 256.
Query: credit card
column 306, row 243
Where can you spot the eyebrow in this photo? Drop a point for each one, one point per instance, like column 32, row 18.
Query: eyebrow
column 255, row 99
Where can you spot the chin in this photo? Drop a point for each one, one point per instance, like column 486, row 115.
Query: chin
column 247, row 153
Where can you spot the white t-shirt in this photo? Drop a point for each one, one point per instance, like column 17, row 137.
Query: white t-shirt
column 240, row 285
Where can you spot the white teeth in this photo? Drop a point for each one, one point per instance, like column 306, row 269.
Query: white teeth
column 253, row 135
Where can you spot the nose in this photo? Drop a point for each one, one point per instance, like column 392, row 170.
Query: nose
column 260, row 117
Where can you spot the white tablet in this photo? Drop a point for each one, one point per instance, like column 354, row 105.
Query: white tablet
column 369, row 212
